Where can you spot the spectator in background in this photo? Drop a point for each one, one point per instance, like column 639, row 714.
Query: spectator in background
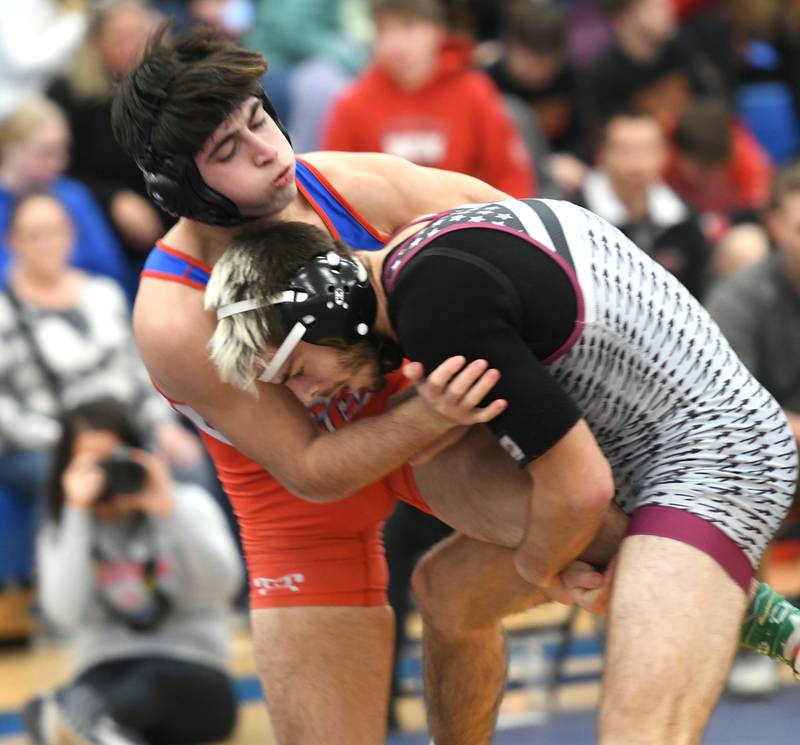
column 478, row 19
column 37, row 38
column 123, row 566
column 742, row 246
column 627, row 189
column 758, row 310
column 312, row 58
column 767, row 56
column 66, row 338
column 34, row 144
column 420, row 99
column 232, row 17
column 534, row 66
column 718, row 167
column 650, row 64
column 117, row 36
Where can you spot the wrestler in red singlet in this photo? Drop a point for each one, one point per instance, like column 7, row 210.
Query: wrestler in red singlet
column 297, row 552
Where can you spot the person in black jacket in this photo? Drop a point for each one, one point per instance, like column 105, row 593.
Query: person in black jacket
column 116, row 38
column 626, row 189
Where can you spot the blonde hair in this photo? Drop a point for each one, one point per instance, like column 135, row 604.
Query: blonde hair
column 238, row 341
column 29, row 116
column 88, row 75
column 259, row 264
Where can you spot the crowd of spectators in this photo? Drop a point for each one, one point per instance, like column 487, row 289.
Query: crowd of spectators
column 676, row 120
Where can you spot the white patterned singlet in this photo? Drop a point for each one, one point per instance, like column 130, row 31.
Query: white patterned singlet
column 678, row 416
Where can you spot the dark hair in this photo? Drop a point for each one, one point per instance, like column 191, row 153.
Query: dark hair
column 615, row 8
column 431, row 10
column 785, row 183
column 628, row 112
column 181, row 91
column 704, row 133
column 539, row 26
column 28, row 196
column 105, row 415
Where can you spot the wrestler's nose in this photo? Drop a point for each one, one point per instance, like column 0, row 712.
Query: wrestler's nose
column 263, row 152
column 305, row 390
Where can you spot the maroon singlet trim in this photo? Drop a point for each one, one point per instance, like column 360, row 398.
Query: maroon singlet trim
column 683, row 526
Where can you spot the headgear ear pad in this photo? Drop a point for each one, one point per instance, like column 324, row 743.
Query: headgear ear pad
column 174, row 183
column 337, row 295
column 338, row 307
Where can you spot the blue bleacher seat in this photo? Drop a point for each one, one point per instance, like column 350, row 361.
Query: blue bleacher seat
column 17, row 535
column 768, row 109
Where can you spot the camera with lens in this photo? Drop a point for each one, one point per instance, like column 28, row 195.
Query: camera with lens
column 123, row 475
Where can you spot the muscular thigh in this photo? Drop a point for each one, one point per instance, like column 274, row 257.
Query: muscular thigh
column 325, row 672
column 673, row 627
column 475, row 487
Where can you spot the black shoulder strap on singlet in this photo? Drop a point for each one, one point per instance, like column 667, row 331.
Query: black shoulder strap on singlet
column 553, row 228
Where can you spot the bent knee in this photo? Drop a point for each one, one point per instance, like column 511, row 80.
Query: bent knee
column 453, row 602
column 443, row 603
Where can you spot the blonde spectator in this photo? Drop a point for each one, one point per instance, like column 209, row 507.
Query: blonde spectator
column 117, row 36
column 34, row 153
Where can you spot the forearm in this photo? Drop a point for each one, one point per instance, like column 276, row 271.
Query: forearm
column 326, row 470
column 558, row 532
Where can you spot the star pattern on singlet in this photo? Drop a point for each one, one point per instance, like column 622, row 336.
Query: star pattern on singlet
column 491, row 215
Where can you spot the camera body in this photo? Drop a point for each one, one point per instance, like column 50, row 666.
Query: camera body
column 123, row 475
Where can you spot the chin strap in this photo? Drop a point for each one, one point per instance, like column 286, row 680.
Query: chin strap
column 284, row 350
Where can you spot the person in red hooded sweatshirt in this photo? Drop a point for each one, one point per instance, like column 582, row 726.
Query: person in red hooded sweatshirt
column 422, row 100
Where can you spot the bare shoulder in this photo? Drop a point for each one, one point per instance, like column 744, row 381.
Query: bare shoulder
column 390, row 191
column 172, row 331
column 366, row 181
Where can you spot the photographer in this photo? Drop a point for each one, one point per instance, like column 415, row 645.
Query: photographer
column 142, row 570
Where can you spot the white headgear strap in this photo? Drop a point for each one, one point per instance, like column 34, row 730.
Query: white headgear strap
column 291, row 340
column 285, row 349
column 253, row 303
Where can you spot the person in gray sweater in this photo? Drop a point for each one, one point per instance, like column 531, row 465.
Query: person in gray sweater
column 141, row 571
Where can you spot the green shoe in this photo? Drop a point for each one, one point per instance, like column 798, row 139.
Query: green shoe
column 772, row 627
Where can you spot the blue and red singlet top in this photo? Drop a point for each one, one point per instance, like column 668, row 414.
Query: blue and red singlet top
column 343, row 223
column 261, row 503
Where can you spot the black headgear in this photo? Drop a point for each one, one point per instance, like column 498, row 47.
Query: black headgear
column 329, row 302
column 333, row 298
column 174, row 183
